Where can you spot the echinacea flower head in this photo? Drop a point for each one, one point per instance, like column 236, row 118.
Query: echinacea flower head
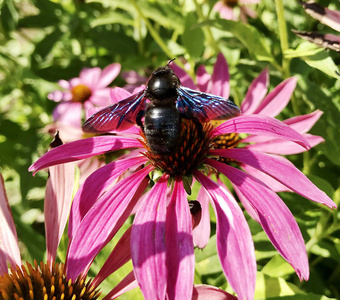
column 87, row 91
column 23, row 280
column 155, row 191
column 227, row 9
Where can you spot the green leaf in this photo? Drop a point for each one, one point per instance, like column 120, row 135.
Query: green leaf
column 248, row 35
column 193, row 37
column 268, row 287
column 277, row 267
column 112, row 17
column 315, row 57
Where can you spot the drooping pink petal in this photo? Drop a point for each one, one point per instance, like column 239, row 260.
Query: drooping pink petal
column 201, row 233
column 68, row 113
column 281, row 169
column 323, row 14
column 235, row 246
column 183, row 76
column 82, row 149
column 108, row 74
column 260, row 125
column 180, row 258
column 282, row 147
column 277, row 99
column 94, row 186
column 90, row 77
column 304, row 123
column 57, row 204
column 275, row 217
column 209, row 292
column 256, row 92
column 117, row 94
column 9, row 249
column 101, row 97
column 225, row 11
column 56, row 96
column 275, row 185
column 127, row 284
column 103, row 220
column 202, row 78
column 148, row 248
column 220, row 78
column 119, row 256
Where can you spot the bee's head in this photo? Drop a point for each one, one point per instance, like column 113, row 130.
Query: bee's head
column 162, row 85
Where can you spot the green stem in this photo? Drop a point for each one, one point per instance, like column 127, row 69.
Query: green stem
column 206, row 29
column 283, row 35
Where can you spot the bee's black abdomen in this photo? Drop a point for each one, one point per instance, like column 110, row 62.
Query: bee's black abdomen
column 162, row 129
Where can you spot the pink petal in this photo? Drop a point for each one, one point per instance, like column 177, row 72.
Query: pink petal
column 108, row 74
column 281, row 169
column 234, row 241
column 148, row 249
column 209, row 292
column 304, row 123
column 266, row 179
column 323, row 14
column 9, row 249
column 101, row 97
column 220, row 78
column 275, row 217
column 277, row 99
column 183, row 76
column 58, row 199
column 90, row 77
column 94, row 186
column 119, row 256
column 117, row 94
column 282, row 147
column 180, row 256
column 68, row 113
column 127, row 284
column 203, row 78
column 201, row 233
column 56, row 96
column 260, row 125
column 256, row 92
column 103, row 220
column 82, row 149
column 64, row 84
column 225, row 11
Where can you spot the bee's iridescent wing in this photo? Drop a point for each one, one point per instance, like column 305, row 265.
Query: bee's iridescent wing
column 119, row 116
column 204, row 106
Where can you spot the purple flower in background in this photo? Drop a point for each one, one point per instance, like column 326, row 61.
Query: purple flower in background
column 162, row 245
column 84, row 92
column 226, row 8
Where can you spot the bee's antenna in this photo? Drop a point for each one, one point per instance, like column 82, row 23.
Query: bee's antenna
column 170, row 61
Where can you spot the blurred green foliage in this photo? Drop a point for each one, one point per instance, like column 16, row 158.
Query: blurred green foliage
column 43, row 41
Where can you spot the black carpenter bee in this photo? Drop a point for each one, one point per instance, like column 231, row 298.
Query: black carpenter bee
column 169, row 103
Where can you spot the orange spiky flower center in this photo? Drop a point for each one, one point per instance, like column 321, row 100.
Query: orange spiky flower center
column 81, row 93
column 189, row 154
column 225, row 141
column 42, row 283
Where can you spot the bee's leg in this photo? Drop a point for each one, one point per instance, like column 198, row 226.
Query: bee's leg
column 139, row 117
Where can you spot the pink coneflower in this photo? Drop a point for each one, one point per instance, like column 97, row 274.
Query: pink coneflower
column 161, row 242
column 226, row 8
column 86, row 91
column 48, row 280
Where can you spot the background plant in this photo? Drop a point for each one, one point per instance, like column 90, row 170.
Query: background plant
column 44, row 41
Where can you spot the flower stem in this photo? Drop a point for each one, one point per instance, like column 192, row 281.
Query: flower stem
column 283, row 35
column 207, row 30
column 155, row 35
